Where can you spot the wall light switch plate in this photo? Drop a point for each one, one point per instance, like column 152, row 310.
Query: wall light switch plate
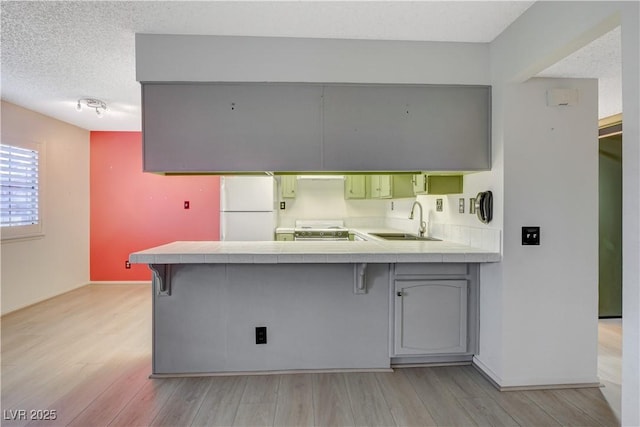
column 460, row 205
column 531, row 235
column 438, row 205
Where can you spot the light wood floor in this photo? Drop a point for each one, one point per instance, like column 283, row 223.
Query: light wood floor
column 610, row 361
column 86, row 355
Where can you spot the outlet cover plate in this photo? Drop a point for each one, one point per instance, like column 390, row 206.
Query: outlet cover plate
column 438, row 205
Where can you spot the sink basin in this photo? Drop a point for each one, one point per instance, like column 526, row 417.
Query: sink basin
column 404, row 236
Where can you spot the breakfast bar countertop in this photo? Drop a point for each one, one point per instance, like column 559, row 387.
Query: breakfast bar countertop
column 374, row 250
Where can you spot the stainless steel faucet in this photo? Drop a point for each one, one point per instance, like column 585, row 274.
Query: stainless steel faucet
column 423, row 225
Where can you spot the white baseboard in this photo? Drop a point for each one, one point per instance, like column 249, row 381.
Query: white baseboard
column 123, row 282
column 486, row 372
column 528, row 384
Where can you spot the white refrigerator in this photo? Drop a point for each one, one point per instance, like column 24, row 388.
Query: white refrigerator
column 247, row 208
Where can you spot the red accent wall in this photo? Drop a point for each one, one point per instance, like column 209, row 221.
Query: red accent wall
column 132, row 210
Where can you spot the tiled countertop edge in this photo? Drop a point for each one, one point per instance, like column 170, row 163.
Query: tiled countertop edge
column 371, row 251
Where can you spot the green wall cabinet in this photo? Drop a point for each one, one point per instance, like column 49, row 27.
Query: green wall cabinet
column 288, row 186
column 355, row 187
column 379, row 187
column 437, row 184
column 389, row 186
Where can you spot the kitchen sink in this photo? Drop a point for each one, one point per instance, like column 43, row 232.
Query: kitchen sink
column 404, row 236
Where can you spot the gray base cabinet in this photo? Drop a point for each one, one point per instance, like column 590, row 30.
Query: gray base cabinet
column 314, row 319
column 430, row 316
column 434, row 311
column 315, row 314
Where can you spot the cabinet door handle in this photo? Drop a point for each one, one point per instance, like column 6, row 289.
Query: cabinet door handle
column 399, row 293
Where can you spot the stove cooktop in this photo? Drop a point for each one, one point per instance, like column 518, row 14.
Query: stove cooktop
column 329, row 229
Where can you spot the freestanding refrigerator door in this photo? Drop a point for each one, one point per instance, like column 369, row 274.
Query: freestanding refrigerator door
column 246, row 193
column 246, row 226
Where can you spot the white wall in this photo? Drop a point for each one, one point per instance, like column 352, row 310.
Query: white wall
column 551, row 180
column 324, row 199
column 542, row 295
column 630, row 214
column 550, row 31
column 40, row 268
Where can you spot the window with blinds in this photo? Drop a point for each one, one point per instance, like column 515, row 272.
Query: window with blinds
column 20, row 190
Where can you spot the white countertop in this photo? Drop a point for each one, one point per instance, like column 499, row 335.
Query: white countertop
column 275, row 252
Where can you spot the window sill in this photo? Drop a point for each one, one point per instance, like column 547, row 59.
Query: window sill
column 21, row 237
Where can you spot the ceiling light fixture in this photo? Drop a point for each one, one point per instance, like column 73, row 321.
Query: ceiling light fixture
column 100, row 106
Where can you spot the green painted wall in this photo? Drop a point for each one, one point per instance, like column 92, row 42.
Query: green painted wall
column 610, row 196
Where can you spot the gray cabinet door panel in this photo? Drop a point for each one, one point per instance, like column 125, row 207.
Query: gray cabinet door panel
column 227, row 127
column 370, row 127
column 430, row 317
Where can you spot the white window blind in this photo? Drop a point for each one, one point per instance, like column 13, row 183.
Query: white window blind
column 19, row 183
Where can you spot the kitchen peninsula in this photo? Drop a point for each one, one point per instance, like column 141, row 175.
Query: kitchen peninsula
column 325, row 305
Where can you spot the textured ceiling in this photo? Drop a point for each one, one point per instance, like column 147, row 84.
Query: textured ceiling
column 602, row 58
column 53, row 53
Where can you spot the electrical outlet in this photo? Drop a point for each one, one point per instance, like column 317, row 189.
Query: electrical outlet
column 438, row 205
column 472, row 205
column 460, row 205
column 283, row 205
column 186, row 204
column 531, row 235
column 127, row 264
column 261, row 334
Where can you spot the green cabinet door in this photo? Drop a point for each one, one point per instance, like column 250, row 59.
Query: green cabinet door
column 386, row 186
column 284, row 237
column 402, row 186
column 379, row 187
column 437, row 184
column 373, row 186
column 288, row 186
column 355, row 187
column 389, row 186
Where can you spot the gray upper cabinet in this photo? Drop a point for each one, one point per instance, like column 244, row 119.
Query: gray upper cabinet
column 243, row 127
column 407, row 127
column 204, row 127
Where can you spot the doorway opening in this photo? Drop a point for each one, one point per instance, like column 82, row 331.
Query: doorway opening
column 610, row 217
